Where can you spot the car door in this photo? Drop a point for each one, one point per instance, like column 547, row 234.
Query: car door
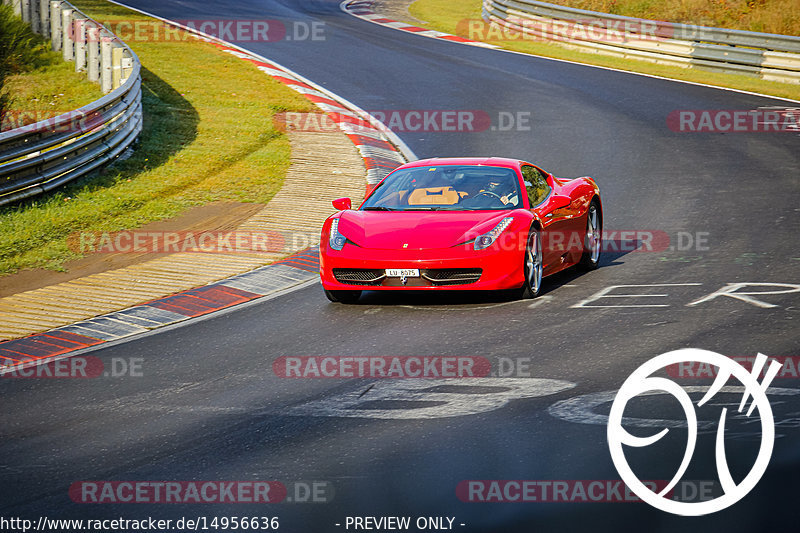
column 556, row 222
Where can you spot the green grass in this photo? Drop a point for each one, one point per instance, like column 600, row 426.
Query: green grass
column 770, row 16
column 445, row 15
column 46, row 92
column 208, row 136
column 35, row 83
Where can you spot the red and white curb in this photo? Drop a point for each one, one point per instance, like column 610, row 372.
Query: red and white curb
column 381, row 149
column 44, row 348
column 375, row 142
column 382, row 152
column 363, row 9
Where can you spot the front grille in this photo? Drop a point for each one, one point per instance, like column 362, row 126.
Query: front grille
column 428, row 277
column 359, row 276
column 452, row 276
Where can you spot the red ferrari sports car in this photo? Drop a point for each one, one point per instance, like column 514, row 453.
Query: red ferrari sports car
column 461, row 224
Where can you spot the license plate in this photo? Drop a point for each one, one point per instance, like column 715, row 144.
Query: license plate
column 402, row 272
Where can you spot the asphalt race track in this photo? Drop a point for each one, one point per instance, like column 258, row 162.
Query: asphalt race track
column 208, row 404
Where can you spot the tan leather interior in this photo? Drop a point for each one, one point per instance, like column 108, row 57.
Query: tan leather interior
column 434, row 195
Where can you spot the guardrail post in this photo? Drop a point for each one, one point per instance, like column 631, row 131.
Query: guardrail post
column 66, row 34
column 116, row 65
column 105, row 63
column 768, row 56
column 33, row 13
column 79, row 36
column 44, row 17
column 55, row 24
column 36, row 160
column 25, row 10
column 93, row 51
column 127, row 65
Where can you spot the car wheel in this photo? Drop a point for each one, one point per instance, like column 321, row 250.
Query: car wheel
column 593, row 240
column 532, row 265
column 345, row 297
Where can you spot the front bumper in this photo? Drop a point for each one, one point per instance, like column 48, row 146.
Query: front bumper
column 356, row 268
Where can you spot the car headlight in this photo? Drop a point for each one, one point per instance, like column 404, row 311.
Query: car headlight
column 488, row 238
column 336, row 240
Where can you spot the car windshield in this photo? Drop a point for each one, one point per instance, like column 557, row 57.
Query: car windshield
column 447, row 187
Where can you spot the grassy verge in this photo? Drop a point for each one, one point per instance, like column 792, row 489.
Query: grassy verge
column 770, row 16
column 445, row 15
column 208, row 136
column 35, row 83
column 46, row 92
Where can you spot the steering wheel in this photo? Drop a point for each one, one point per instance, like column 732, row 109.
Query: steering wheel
column 492, row 195
column 489, row 193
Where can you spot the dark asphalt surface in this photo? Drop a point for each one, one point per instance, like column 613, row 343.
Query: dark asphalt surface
column 209, row 407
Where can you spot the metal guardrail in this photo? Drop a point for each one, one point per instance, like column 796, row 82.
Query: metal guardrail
column 39, row 157
column 769, row 56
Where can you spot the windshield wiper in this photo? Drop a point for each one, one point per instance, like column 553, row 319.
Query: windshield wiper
column 378, row 208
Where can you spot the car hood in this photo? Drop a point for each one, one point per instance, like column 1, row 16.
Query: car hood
column 416, row 230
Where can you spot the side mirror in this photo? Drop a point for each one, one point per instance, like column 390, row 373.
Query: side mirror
column 559, row 201
column 341, row 204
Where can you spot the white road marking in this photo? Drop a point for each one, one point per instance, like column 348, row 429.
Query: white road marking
column 583, row 409
column 440, row 404
column 539, row 301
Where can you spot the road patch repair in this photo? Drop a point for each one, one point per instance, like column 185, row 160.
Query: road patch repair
column 49, row 322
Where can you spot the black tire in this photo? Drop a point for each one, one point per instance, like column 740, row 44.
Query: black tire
column 593, row 238
column 345, row 297
column 532, row 265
